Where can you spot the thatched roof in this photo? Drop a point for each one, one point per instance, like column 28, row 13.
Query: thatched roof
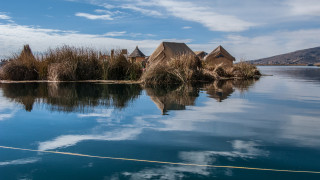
column 167, row 50
column 137, row 53
column 221, row 52
column 199, row 52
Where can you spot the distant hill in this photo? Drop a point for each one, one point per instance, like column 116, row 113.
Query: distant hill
column 301, row 57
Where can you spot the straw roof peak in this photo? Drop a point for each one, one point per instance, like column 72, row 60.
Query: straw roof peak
column 137, row 53
column 220, row 50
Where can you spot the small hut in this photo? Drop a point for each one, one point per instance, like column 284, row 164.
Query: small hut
column 201, row 54
column 168, row 50
column 218, row 56
column 137, row 56
column 114, row 52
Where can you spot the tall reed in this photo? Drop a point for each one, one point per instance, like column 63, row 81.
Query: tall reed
column 21, row 66
column 70, row 64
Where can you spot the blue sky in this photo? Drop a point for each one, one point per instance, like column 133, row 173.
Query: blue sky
column 248, row 29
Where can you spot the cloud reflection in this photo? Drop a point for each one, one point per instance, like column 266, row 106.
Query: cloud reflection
column 240, row 149
column 70, row 140
column 7, row 108
column 186, row 120
column 304, row 130
column 20, row 161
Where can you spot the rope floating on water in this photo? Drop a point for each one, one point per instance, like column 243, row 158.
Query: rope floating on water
column 160, row 162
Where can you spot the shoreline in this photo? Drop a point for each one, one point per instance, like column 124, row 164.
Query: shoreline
column 116, row 81
column 282, row 65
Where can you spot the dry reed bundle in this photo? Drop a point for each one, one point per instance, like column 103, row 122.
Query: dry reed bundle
column 180, row 69
column 21, row 67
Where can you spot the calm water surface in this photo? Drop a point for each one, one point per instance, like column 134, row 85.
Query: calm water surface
column 273, row 122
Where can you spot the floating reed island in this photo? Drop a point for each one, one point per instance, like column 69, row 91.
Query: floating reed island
column 170, row 63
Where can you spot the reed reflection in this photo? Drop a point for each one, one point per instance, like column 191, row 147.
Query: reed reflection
column 84, row 97
column 71, row 97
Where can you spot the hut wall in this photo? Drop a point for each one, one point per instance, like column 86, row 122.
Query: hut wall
column 140, row 59
column 215, row 61
column 137, row 59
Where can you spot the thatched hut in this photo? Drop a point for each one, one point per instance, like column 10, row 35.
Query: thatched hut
column 220, row 56
column 201, row 54
column 137, row 56
column 168, row 50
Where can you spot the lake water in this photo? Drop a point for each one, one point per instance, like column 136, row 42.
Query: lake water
column 273, row 123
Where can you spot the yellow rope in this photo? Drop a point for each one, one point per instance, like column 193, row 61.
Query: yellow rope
column 160, row 162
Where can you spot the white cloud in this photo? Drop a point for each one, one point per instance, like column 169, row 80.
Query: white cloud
column 108, row 6
column 274, row 43
column 15, row 36
column 304, row 7
column 189, row 11
column 141, row 10
column 115, row 33
column 94, row 17
column 186, row 27
column 4, row 16
column 266, row 45
column 204, row 15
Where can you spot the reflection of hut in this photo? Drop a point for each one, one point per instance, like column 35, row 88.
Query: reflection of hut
column 220, row 90
column 137, row 56
column 201, row 54
column 218, row 56
column 169, row 99
column 168, row 50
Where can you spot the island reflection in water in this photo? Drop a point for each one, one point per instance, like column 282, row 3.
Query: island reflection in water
column 71, row 97
column 83, row 97
column 271, row 123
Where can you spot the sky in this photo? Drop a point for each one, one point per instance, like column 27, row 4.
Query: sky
column 248, row 29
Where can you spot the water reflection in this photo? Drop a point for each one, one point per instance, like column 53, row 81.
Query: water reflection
column 178, row 97
column 83, row 97
column 273, row 125
column 173, row 97
column 71, row 97
column 309, row 73
column 239, row 149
